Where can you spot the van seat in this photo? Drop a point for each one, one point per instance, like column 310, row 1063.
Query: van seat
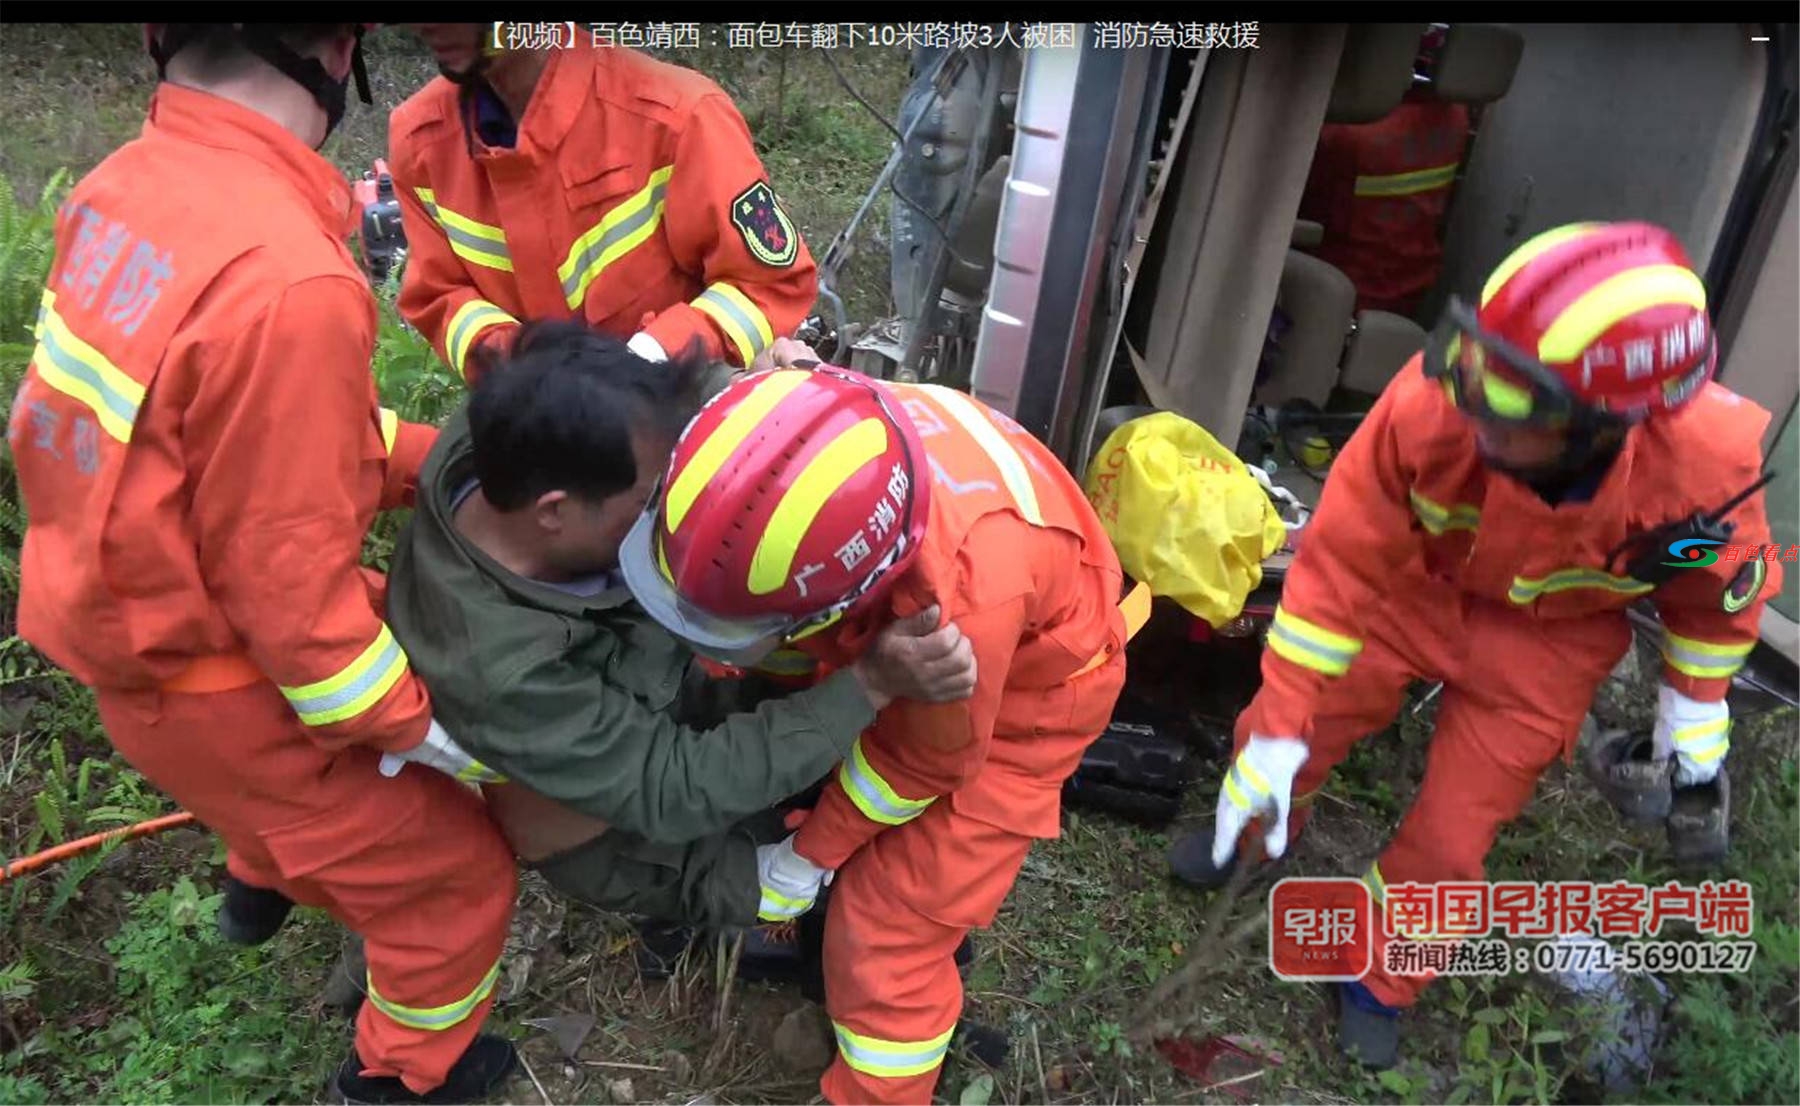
column 1318, row 300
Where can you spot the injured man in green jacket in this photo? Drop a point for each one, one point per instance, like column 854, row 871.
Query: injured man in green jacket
column 635, row 780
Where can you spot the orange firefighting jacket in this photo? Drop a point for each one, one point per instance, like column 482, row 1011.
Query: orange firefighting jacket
column 1380, row 190
column 1014, row 555
column 633, row 199
column 1409, row 500
column 198, row 439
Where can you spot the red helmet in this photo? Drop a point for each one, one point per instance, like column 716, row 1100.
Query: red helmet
column 1588, row 322
column 789, row 498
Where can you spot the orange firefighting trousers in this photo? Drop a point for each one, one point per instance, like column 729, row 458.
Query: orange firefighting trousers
column 411, row 863
column 898, row 909
column 1515, row 692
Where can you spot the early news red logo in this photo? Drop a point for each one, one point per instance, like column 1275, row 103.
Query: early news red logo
column 1319, row 929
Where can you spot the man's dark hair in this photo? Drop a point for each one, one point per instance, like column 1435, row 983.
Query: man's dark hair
column 560, row 413
column 215, row 52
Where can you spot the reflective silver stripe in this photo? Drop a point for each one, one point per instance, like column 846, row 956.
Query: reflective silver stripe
column 751, row 334
column 355, row 688
column 1439, row 519
column 1703, row 736
column 622, row 230
column 1310, row 646
column 1703, row 659
column 1241, row 789
column 1407, row 184
column 1525, row 591
column 891, row 1059
column 777, row 907
column 872, row 795
column 466, row 324
column 83, row 373
column 470, row 240
column 436, row 1018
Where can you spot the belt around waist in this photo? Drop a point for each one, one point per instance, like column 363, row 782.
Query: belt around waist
column 220, row 672
column 1136, row 609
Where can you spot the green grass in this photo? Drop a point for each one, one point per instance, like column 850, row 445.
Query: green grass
column 113, row 986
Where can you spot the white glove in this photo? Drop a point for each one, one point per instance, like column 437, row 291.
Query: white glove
column 647, row 347
column 790, row 882
column 438, row 751
column 1697, row 733
column 1261, row 780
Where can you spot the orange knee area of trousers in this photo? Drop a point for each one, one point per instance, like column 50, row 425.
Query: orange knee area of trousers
column 899, row 908
column 1498, row 727
column 411, row 863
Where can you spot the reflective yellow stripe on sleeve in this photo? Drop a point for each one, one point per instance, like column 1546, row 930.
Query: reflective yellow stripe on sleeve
column 891, row 1059
column 1704, row 660
column 872, row 795
column 355, row 688
column 476, row 243
column 436, row 1018
column 1439, row 519
column 67, row 363
column 1377, row 885
column 466, row 326
column 1526, row 591
column 1311, row 646
column 739, row 317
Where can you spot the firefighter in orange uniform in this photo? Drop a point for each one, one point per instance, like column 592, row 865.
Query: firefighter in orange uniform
column 1487, row 526
column 815, row 507
column 1380, row 191
column 593, row 183
column 200, row 451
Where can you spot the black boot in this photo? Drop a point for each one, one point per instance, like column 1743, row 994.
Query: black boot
column 1368, row 1029
column 986, row 1043
column 659, row 947
column 774, row 952
column 965, row 956
column 1191, row 862
column 251, row 915
column 478, row 1073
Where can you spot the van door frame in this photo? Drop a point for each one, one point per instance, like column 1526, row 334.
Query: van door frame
column 1756, row 202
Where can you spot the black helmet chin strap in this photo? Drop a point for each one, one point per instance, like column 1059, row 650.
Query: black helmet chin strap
column 264, row 40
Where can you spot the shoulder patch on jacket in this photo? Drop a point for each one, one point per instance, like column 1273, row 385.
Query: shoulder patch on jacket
column 1744, row 587
column 767, row 230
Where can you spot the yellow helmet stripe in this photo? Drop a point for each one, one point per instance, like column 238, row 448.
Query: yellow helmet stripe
column 1616, row 298
column 801, row 503
column 1533, row 248
column 730, row 434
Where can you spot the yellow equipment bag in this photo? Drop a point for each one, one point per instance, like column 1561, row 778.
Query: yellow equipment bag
column 1185, row 514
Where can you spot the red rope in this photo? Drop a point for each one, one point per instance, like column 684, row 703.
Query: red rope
column 86, row 844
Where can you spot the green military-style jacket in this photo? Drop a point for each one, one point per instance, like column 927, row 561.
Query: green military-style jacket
column 584, row 698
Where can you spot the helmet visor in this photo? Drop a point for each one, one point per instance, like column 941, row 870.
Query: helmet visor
column 1494, row 380
column 735, row 641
